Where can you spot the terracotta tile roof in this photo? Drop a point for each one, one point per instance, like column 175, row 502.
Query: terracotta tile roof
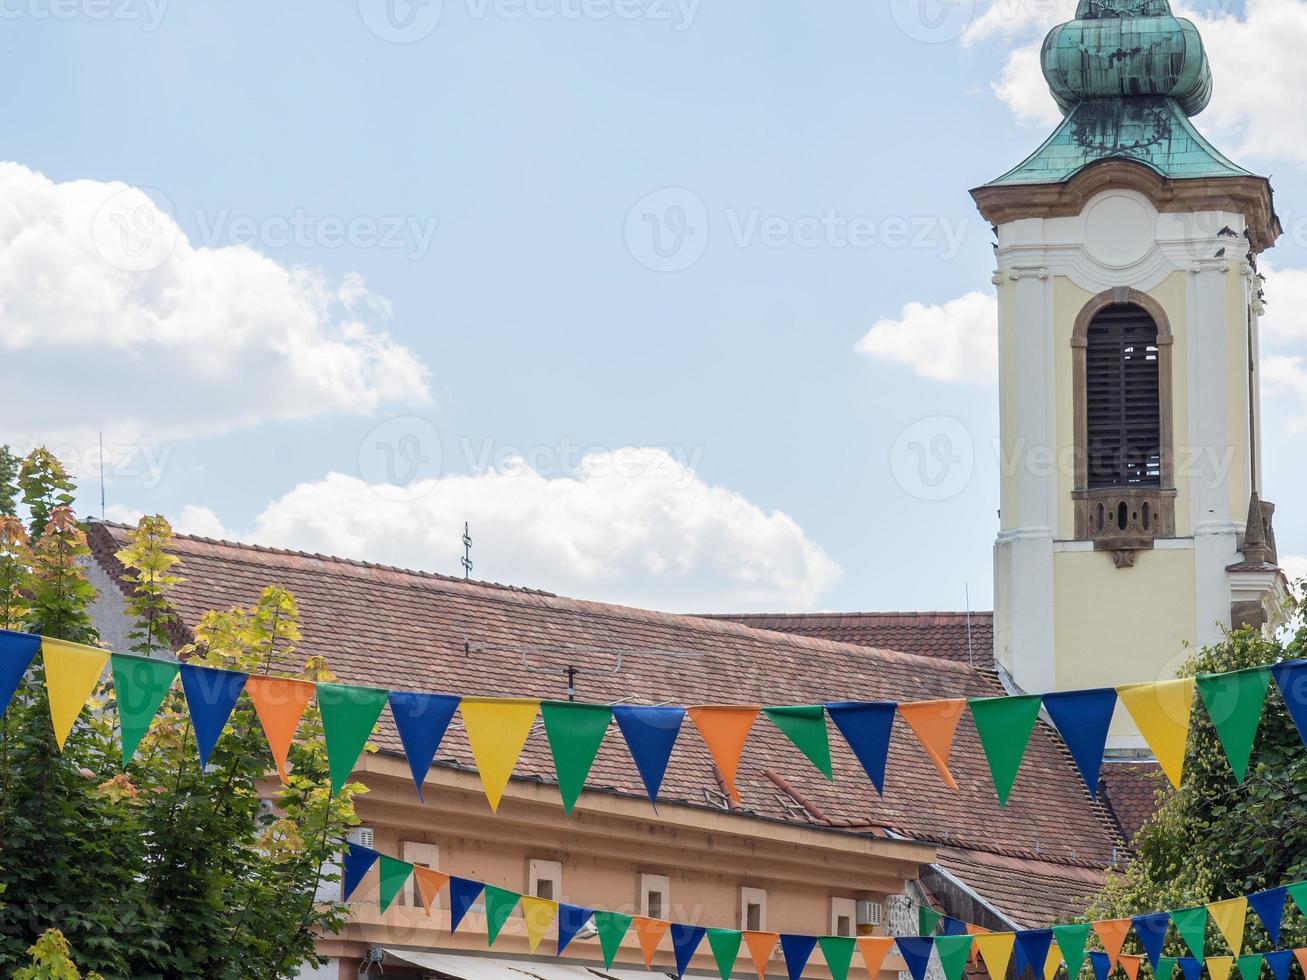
column 959, row 636
column 1131, row 791
column 383, row 626
column 1031, row 892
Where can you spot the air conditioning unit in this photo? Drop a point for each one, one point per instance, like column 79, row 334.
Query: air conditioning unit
column 870, row 913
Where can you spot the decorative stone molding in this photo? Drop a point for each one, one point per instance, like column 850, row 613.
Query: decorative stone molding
column 1027, row 272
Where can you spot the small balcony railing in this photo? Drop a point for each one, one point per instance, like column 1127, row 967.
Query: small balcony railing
column 1124, row 520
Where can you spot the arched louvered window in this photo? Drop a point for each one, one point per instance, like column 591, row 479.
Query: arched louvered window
column 1123, row 421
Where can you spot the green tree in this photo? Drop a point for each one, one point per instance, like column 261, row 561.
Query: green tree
column 52, row 960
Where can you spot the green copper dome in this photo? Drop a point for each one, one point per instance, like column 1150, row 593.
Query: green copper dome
column 1127, row 74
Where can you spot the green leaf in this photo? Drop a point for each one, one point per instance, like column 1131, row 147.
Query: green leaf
column 611, row 927
column 1071, row 941
column 838, row 951
column 725, row 945
column 1191, row 924
column 805, row 726
column 953, row 952
column 1234, row 702
column 500, row 903
column 574, row 731
column 349, row 714
column 1004, row 725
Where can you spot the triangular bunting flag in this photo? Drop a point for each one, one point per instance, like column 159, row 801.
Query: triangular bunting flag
column 650, row 733
column 805, row 726
column 796, row 950
column 874, row 949
column 612, row 927
column 463, row 893
column 348, row 716
column 1298, row 893
column 1250, row 967
column 650, row 932
column 975, row 930
column 915, row 951
column 761, row 946
column 996, row 950
column 1111, row 933
column 1082, row 718
column 954, row 927
column 1005, row 725
column 935, row 723
column 685, row 940
column 574, row 730
column 17, row 651
column 1070, row 941
column 1054, row 961
column 1291, row 679
column 571, row 920
column 1190, row 968
column 1230, row 917
column 500, row 903
column 1161, row 712
column 421, row 720
column 837, row 951
column 279, row 702
column 496, row 732
column 725, row 946
column 393, row 876
column 539, row 915
column 1164, row 968
column 430, row 884
column 1279, row 962
column 952, row 952
column 1269, row 906
column 1234, row 703
column 1191, row 924
column 927, row 919
column 1130, row 964
column 724, row 729
column 211, row 695
column 139, row 685
column 71, row 673
column 1151, row 930
column 866, row 726
column 358, row 861
column 1218, row 967
column 1300, row 955
column 1102, row 964
column 1034, row 945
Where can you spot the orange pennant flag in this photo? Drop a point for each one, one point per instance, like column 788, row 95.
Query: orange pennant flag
column 279, row 703
column 650, row 932
column 975, row 950
column 874, row 950
column 935, row 723
column 1301, row 956
column 1111, row 933
column 724, row 728
column 1131, row 965
column 763, row 944
column 430, row 884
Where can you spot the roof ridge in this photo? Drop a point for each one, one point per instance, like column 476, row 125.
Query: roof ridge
column 882, row 614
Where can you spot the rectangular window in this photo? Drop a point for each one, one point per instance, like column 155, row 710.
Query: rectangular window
column 545, row 879
column 843, row 916
column 424, row 855
column 1122, row 400
column 655, row 896
column 753, row 909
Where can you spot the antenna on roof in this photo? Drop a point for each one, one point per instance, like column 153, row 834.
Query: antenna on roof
column 971, row 659
column 467, row 553
column 101, row 459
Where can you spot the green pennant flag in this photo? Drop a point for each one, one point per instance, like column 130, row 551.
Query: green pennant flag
column 1071, row 941
column 1191, row 924
column 805, row 726
column 393, row 875
column 927, row 919
column 611, row 927
column 953, row 952
column 574, row 731
column 1250, row 966
column 1004, row 725
column 140, row 684
column 1298, row 893
column 838, row 951
column 348, row 716
column 1234, row 703
column 725, row 945
column 500, row 903
column 1165, row 967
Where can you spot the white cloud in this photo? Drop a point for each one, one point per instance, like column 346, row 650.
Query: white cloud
column 954, row 342
column 1286, row 299
column 193, row 519
column 633, row 526
column 113, row 320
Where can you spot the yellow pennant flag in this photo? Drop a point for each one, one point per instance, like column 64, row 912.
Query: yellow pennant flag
column 71, row 673
column 1161, row 713
column 496, row 731
column 1219, row 966
column 1053, row 963
column 1229, row 917
column 539, row 914
column 996, row 950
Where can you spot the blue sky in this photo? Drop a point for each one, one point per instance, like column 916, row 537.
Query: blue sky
column 457, row 217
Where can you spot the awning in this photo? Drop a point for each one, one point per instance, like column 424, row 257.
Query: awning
column 464, row 967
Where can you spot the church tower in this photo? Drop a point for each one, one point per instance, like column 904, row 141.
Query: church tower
column 1132, row 527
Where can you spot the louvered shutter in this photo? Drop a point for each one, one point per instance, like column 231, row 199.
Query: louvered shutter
column 1122, row 402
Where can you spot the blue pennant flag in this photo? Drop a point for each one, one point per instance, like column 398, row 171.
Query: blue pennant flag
column 685, row 940
column 1279, row 963
column 1269, row 906
column 358, row 862
column 650, row 733
column 1082, row 719
column 1291, row 678
column 915, row 951
column 421, row 720
column 954, row 927
column 866, row 726
column 1151, row 930
column 462, row 893
column 1034, row 945
column 1191, row 968
column 571, row 920
column 211, row 695
column 1102, row 964
column 797, row 949
column 17, row 651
